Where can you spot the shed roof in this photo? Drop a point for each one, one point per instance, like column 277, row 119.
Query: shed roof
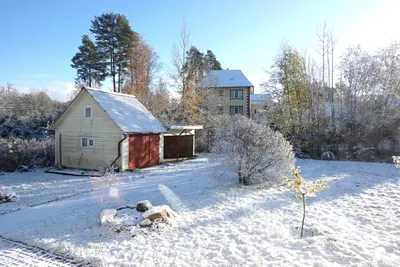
column 225, row 78
column 184, row 127
column 127, row 112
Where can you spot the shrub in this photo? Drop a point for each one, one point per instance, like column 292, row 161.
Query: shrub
column 364, row 153
column 396, row 161
column 304, row 189
column 31, row 152
column 252, row 149
column 6, row 196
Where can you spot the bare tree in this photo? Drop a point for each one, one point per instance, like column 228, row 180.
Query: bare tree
column 178, row 58
column 143, row 67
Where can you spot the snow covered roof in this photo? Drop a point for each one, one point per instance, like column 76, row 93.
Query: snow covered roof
column 183, row 127
column 127, row 112
column 260, row 98
column 225, row 78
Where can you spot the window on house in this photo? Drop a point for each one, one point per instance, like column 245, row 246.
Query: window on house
column 87, row 142
column 234, row 110
column 84, row 141
column 88, row 112
column 236, row 94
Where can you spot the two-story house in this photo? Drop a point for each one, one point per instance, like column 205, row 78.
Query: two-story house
column 235, row 89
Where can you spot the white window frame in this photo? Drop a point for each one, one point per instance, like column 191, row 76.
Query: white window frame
column 87, row 142
column 90, row 139
column 236, row 110
column 236, row 94
column 91, row 112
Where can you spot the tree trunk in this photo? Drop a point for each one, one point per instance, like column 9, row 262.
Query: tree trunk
column 304, row 215
column 119, row 78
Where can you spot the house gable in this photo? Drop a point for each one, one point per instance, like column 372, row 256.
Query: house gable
column 73, row 126
column 74, row 116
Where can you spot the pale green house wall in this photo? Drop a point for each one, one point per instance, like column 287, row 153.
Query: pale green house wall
column 228, row 102
column 72, row 126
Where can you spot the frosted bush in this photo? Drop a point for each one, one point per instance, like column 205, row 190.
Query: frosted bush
column 6, row 196
column 327, row 155
column 253, row 150
column 32, row 152
column 364, row 153
column 396, row 161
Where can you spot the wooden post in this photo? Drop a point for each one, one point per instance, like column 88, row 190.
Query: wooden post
column 304, row 214
column 179, row 144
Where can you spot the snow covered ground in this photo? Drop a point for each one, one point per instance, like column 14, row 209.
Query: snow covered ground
column 354, row 222
column 37, row 187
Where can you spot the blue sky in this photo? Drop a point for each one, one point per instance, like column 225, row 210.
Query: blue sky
column 39, row 38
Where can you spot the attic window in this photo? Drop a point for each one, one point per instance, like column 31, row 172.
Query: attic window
column 88, row 112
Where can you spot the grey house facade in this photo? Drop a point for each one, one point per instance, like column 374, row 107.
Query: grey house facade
column 233, row 87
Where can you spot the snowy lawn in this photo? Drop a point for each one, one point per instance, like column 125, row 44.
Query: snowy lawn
column 354, row 222
column 38, row 187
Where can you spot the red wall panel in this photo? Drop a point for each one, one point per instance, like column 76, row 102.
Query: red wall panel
column 144, row 150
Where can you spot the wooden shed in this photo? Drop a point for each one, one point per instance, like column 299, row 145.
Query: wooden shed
column 101, row 129
column 179, row 141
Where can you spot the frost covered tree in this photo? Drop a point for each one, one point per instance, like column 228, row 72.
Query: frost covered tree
column 396, row 161
column 253, row 150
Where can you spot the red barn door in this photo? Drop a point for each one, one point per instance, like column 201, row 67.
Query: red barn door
column 144, row 150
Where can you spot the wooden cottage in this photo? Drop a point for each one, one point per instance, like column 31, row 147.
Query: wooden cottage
column 101, row 129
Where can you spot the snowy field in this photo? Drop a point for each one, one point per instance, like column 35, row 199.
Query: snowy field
column 354, row 222
column 38, row 187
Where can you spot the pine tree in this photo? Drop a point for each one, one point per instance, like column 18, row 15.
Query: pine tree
column 194, row 67
column 114, row 39
column 211, row 61
column 88, row 63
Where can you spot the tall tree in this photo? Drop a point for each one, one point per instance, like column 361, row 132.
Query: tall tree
column 114, row 39
column 194, row 67
column 288, row 83
column 211, row 61
column 88, row 63
column 178, row 58
column 143, row 66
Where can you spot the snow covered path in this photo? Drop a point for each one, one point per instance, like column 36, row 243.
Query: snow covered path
column 354, row 222
column 17, row 254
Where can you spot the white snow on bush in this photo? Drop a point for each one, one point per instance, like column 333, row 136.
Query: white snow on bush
column 354, row 222
column 6, row 196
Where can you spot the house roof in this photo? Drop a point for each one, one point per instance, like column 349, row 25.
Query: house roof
column 225, row 78
column 260, row 98
column 127, row 112
column 183, row 127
